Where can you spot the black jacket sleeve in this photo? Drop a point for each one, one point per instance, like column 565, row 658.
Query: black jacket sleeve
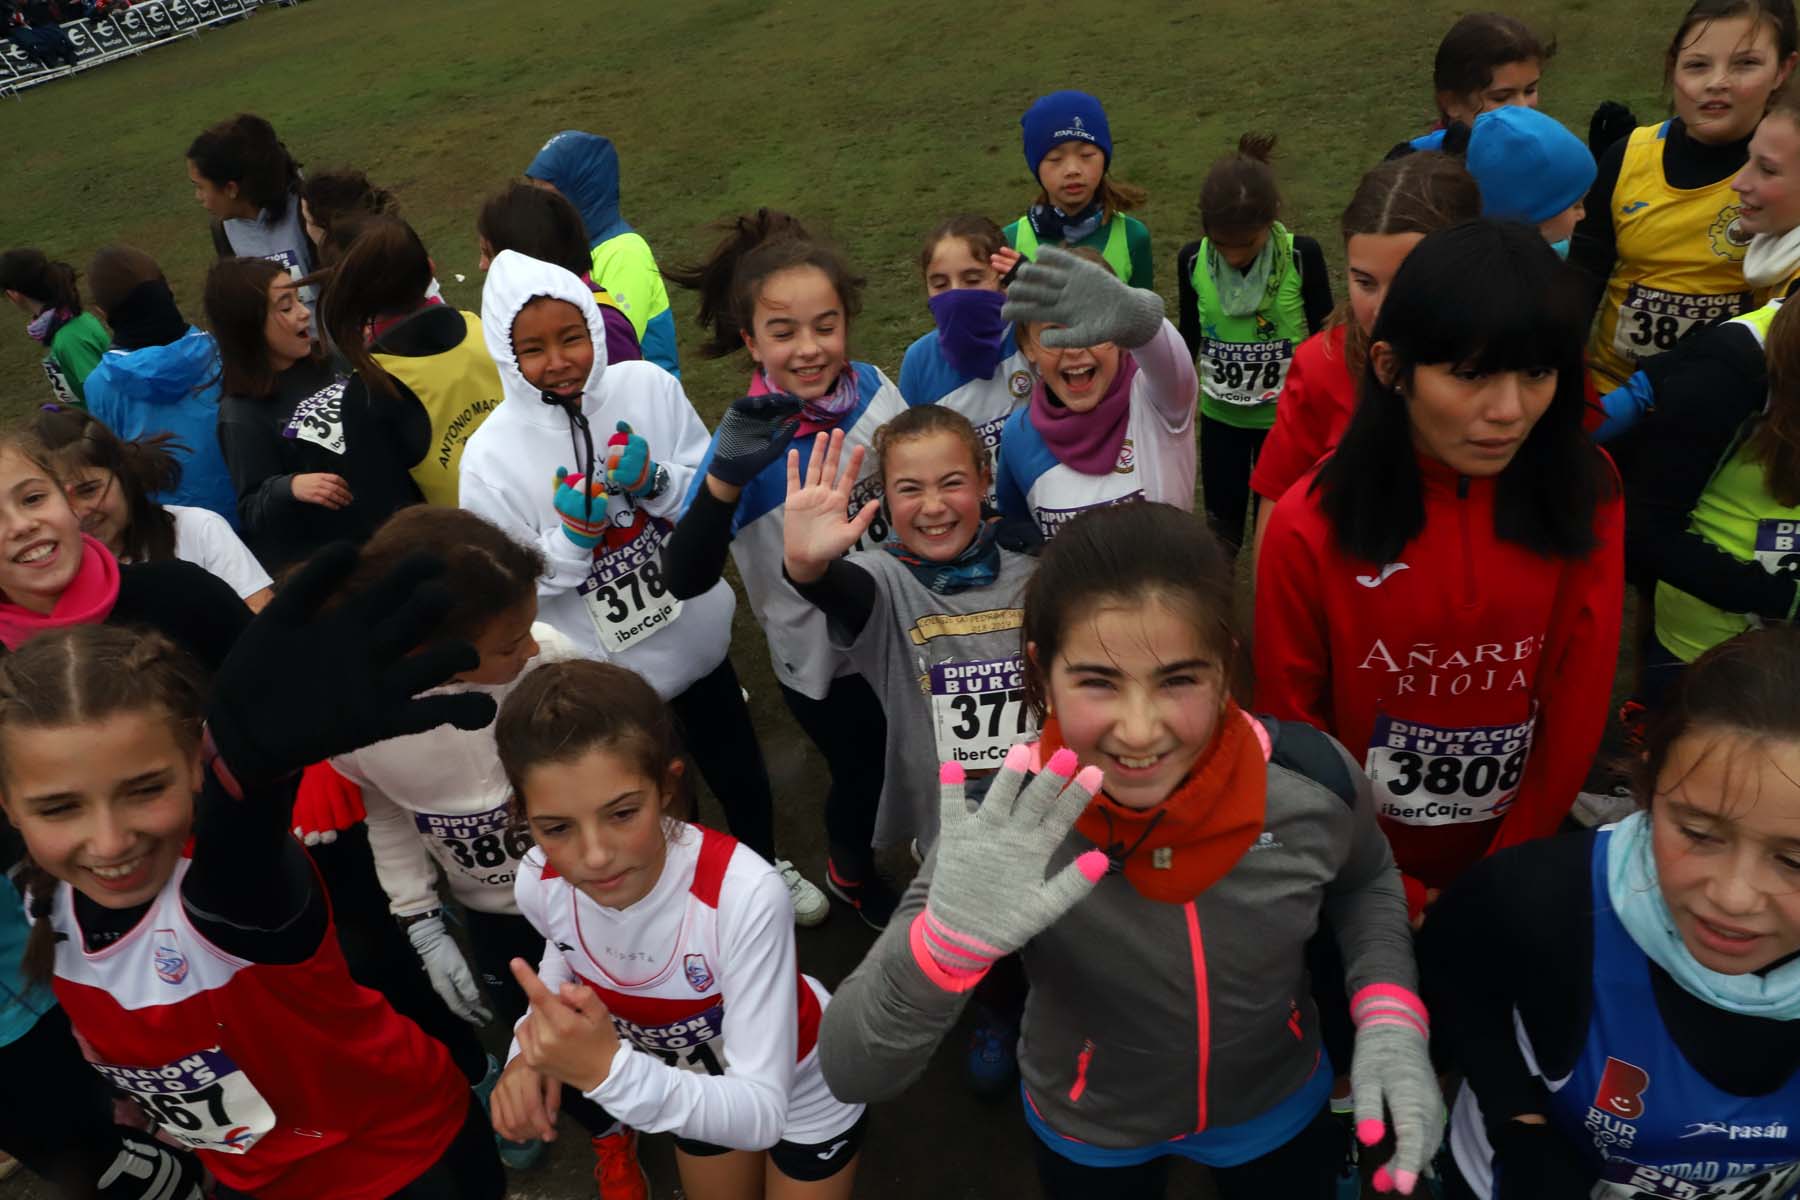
column 1593, row 248
column 265, row 489
column 251, row 889
column 1706, row 388
column 845, row 593
column 185, row 603
column 694, row 555
column 1315, row 281
column 1187, row 301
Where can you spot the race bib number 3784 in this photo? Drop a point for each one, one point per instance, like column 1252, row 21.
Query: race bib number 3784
column 1430, row 775
column 625, row 594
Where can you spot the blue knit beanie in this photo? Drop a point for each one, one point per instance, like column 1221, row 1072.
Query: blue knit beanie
column 1064, row 117
column 1529, row 167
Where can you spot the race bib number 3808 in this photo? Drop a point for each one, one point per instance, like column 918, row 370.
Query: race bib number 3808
column 203, row 1100
column 1427, row 775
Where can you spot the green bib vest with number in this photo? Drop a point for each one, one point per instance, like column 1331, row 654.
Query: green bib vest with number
column 1244, row 360
column 1116, row 252
column 1736, row 514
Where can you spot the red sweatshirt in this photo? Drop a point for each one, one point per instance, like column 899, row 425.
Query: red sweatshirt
column 1471, row 675
column 1315, row 406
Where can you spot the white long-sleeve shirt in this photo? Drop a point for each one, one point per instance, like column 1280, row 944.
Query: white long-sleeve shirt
column 609, row 601
column 442, row 795
column 717, row 1026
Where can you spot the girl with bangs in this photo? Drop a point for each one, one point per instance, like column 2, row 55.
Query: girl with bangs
column 1443, row 593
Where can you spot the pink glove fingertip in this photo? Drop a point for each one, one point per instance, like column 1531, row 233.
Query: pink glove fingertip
column 1369, row 1131
column 1019, row 757
column 1383, row 1179
column 1090, row 779
column 950, row 773
column 1092, row 865
column 1062, row 762
column 1405, row 1181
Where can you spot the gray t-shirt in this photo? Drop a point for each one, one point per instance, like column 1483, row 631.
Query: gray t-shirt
column 949, row 671
column 279, row 239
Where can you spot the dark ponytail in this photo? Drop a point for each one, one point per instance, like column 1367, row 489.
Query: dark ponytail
column 246, row 151
column 1240, row 193
column 386, row 271
column 39, row 961
column 756, row 246
column 34, row 274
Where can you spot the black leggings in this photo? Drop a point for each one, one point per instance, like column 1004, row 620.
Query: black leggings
column 850, row 730
column 378, row 953
column 1305, row 1168
column 716, row 729
column 59, row 1121
column 1227, row 456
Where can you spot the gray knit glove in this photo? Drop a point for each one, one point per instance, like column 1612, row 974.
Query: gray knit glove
column 989, row 894
column 1391, row 1070
column 1086, row 299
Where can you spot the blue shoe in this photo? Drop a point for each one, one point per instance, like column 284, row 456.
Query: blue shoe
column 484, row 1091
column 993, row 1060
column 519, row 1156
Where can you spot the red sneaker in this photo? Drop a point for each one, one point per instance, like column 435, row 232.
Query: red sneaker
column 617, row 1171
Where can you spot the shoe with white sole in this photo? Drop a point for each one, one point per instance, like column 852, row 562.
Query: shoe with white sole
column 810, row 905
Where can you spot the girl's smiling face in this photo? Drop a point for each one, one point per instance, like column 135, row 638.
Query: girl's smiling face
column 1078, row 376
column 799, row 332
column 1136, row 693
column 1725, row 835
column 99, row 502
column 934, row 490
column 554, row 349
column 40, row 535
column 599, row 821
column 1722, row 75
column 1768, row 187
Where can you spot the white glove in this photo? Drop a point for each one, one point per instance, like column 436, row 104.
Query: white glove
column 448, row 969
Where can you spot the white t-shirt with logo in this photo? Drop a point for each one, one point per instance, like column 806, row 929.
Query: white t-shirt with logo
column 207, row 540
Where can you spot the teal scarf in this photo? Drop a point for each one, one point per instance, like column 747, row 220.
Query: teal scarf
column 977, row 566
column 1636, row 896
column 1241, row 292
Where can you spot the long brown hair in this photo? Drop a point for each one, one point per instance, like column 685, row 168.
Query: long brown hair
column 34, row 274
column 1479, row 44
column 1778, row 15
column 1774, row 439
column 246, row 151
column 386, row 271
column 237, row 309
column 79, row 675
column 78, row 440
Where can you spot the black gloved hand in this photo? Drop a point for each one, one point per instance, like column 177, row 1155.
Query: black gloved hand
column 302, row 685
column 1610, row 122
column 1536, row 1162
column 755, row 432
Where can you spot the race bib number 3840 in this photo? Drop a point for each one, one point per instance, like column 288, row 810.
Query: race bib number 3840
column 203, row 1100
column 1431, row 775
column 1652, row 320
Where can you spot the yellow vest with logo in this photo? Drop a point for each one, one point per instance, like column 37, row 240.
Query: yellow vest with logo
column 458, row 389
column 1116, row 252
column 1680, row 262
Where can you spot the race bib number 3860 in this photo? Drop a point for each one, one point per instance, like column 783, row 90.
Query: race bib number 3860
column 1427, row 775
column 203, row 1100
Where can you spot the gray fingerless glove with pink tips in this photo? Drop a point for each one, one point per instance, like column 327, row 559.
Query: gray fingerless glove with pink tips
column 1390, row 1072
column 989, row 893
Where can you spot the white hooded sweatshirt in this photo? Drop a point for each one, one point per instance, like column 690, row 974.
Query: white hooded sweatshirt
column 610, row 601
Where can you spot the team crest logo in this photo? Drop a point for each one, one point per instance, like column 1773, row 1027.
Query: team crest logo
column 240, row 1138
column 171, row 963
column 1019, row 384
column 699, row 975
column 1621, row 1090
column 1727, row 235
column 1127, row 459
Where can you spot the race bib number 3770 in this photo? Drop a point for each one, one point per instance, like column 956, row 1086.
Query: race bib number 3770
column 979, row 710
column 203, row 1100
column 1427, row 775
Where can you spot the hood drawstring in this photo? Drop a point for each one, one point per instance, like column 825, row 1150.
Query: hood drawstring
column 583, row 449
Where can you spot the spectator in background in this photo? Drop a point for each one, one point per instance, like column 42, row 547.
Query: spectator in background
column 34, row 27
column 161, row 375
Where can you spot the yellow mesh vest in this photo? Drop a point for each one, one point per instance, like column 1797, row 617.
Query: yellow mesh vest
column 458, row 388
column 1680, row 263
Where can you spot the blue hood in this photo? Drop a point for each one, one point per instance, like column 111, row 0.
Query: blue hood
column 168, row 374
column 585, row 168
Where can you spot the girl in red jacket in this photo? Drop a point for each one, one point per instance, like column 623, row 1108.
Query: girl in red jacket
column 1443, row 592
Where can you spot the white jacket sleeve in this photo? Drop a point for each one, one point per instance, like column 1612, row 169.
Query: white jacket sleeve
column 553, row 968
column 1174, row 385
column 568, row 564
column 402, row 863
column 746, row 1107
column 679, row 448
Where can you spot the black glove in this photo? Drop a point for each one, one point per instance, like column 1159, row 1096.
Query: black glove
column 755, row 432
column 302, row 685
column 1536, row 1162
column 1610, row 122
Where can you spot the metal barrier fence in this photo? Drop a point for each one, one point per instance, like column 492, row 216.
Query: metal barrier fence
column 139, row 28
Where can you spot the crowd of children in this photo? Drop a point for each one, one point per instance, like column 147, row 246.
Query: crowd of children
column 1266, row 920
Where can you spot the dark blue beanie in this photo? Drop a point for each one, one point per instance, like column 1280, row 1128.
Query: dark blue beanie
column 1064, row 117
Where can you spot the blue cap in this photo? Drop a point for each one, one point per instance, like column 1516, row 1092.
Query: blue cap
column 1529, row 167
column 1064, row 117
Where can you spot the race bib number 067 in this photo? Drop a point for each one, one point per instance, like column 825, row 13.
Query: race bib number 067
column 203, row 1100
column 1426, row 775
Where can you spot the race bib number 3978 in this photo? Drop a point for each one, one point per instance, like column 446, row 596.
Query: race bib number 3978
column 1245, row 373
column 203, row 1100
column 1427, row 775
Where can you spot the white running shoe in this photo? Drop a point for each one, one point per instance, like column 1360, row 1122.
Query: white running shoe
column 810, row 905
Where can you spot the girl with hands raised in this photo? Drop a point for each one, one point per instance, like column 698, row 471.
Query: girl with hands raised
column 668, row 996
column 1160, row 878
